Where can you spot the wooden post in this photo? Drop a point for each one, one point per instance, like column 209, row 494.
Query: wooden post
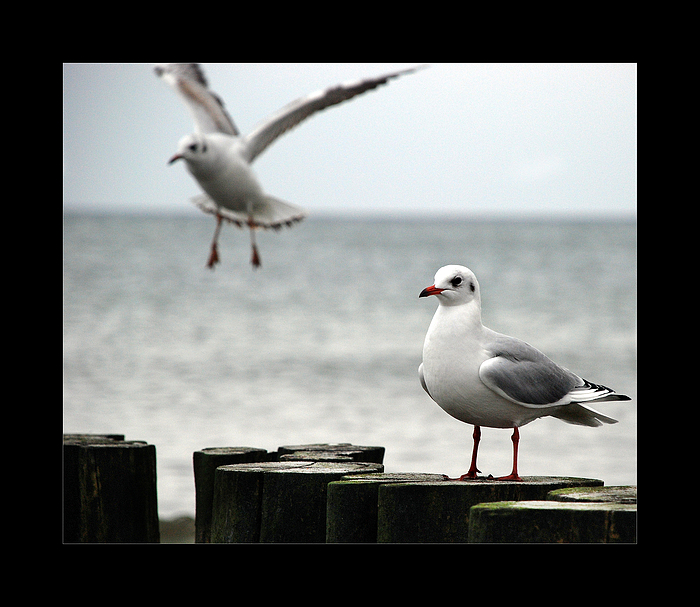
column 352, row 505
column 205, row 462
column 553, row 522
column 432, row 512
column 71, row 479
column 276, row 501
column 110, row 492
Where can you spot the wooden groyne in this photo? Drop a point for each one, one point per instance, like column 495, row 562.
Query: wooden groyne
column 437, row 510
column 330, row 493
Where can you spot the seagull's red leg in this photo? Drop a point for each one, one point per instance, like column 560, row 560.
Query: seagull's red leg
column 513, row 476
column 214, row 255
column 255, row 258
column 472, row 469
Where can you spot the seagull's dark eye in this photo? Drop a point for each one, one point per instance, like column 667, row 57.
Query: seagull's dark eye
column 193, row 147
column 456, row 281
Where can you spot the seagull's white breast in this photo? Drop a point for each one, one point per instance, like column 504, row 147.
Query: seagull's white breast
column 228, row 178
column 452, row 355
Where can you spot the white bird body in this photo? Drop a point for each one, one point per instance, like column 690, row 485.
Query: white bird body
column 219, row 157
column 453, row 348
column 485, row 378
column 224, row 166
column 221, row 166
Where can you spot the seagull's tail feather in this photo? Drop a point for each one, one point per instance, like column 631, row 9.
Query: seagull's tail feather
column 275, row 214
column 576, row 413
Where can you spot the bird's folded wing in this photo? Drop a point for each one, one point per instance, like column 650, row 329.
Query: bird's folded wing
column 523, row 375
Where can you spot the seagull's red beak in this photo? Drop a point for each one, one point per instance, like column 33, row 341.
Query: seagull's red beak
column 174, row 158
column 432, row 290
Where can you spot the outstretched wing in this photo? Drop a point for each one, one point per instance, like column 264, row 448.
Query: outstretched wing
column 206, row 107
column 297, row 111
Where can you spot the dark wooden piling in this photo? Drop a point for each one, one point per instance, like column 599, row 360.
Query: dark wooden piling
column 553, row 522
column 110, row 493
column 351, row 515
column 205, row 462
column 276, row 501
column 439, row 511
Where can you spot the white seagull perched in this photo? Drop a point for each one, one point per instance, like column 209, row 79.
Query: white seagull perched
column 219, row 157
column 489, row 379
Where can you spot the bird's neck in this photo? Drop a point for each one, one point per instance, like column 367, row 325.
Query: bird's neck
column 464, row 319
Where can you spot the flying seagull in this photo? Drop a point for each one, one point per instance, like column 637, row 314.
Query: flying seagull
column 219, row 157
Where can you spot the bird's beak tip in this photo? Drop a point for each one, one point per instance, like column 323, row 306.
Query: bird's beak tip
column 431, row 290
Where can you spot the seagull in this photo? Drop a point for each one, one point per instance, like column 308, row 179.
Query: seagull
column 219, row 157
column 489, row 379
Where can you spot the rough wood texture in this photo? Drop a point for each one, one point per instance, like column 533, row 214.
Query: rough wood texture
column 626, row 494
column 430, row 512
column 351, row 515
column 358, row 453
column 276, row 501
column 315, row 456
column 110, row 493
column 205, row 462
column 553, row 522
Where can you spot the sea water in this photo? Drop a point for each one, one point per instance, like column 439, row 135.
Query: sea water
column 323, row 342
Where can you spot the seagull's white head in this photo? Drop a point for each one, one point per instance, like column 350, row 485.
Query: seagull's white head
column 193, row 149
column 454, row 286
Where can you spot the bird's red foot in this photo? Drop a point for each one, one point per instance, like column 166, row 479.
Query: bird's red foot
column 471, row 475
column 213, row 258
column 255, row 259
column 510, row 477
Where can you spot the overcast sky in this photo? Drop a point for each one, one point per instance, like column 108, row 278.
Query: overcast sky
column 472, row 139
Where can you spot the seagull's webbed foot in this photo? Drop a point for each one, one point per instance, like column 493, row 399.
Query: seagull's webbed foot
column 469, row 476
column 255, row 258
column 510, row 477
column 213, row 257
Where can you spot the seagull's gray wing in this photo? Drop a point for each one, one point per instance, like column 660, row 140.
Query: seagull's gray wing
column 206, row 107
column 523, row 375
column 297, row 111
